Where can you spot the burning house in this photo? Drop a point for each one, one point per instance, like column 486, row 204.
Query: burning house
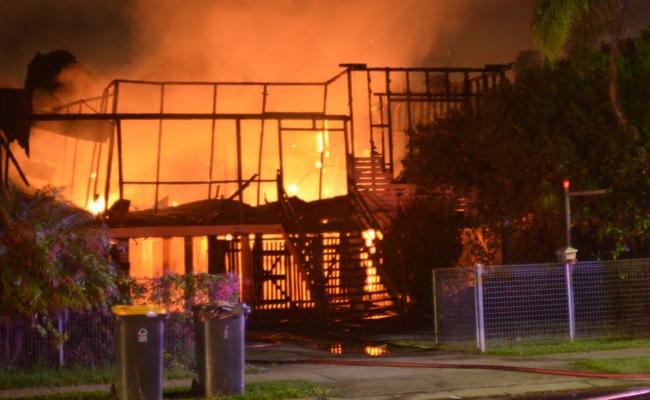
column 287, row 184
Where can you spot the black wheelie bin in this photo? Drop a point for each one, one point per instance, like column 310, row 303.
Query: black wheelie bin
column 139, row 334
column 220, row 331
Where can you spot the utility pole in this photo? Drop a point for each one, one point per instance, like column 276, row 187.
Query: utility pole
column 567, row 211
column 568, row 253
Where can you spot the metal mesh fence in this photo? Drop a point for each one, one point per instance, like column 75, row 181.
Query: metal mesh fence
column 501, row 305
column 455, row 305
column 612, row 299
column 89, row 342
column 524, row 302
column 89, row 335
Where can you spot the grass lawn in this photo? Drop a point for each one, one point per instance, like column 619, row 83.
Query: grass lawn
column 69, row 376
column 630, row 365
column 255, row 391
column 414, row 344
column 578, row 346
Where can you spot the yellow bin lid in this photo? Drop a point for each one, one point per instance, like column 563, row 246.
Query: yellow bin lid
column 150, row 310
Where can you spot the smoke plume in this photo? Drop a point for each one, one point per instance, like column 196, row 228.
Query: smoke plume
column 258, row 39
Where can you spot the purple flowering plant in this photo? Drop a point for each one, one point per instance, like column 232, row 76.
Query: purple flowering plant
column 178, row 292
column 53, row 257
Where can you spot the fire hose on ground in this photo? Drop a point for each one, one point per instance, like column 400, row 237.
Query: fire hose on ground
column 510, row 368
column 410, row 364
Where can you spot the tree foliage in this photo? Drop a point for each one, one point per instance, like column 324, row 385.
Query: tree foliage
column 424, row 235
column 553, row 22
column 551, row 123
column 54, row 256
column 556, row 23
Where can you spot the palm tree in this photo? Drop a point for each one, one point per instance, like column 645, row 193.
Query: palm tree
column 554, row 23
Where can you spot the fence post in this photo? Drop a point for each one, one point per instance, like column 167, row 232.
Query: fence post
column 59, row 324
column 435, row 307
column 478, row 300
column 570, row 302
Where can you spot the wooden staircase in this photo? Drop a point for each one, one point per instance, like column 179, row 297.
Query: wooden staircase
column 352, row 282
column 341, row 270
column 375, row 184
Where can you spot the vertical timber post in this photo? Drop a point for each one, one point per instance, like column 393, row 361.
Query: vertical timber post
column 167, row 267
column 383, row 131
column 90, row 175
column 240, row 183
column 2, row 184
column 409, row 116
column 118, row 123
column 188, row 258
column 480, row 317
column 322, row 153
column 570, row 302
column 467, row 88
column 279, row 127
column 351, row 108
column 159, row 147
column 96, row 172
column 111, row 144
column 389, row 121
column 246, row 269
column 372, row 138
column 435, row 307
column 188, row 255
column 213, row 123
column 265, row 94
column 6, row 165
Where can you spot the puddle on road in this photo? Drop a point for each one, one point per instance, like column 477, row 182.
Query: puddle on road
column 342, row 344
column 369, row 350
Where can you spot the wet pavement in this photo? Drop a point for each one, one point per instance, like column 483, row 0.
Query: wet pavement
column 289, row 356
column 290, row 353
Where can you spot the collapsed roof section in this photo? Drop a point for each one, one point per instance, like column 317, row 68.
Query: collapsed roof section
column 325, row 215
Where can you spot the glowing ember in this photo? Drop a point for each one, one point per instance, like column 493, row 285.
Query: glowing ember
column 375, row 351
column 369, row 237
column 292, row 189
column 97, row 206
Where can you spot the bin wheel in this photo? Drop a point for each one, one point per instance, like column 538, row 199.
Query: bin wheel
column 195, row 387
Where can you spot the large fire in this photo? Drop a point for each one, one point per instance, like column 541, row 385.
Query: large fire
column 162, row 145
column 195, row 159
